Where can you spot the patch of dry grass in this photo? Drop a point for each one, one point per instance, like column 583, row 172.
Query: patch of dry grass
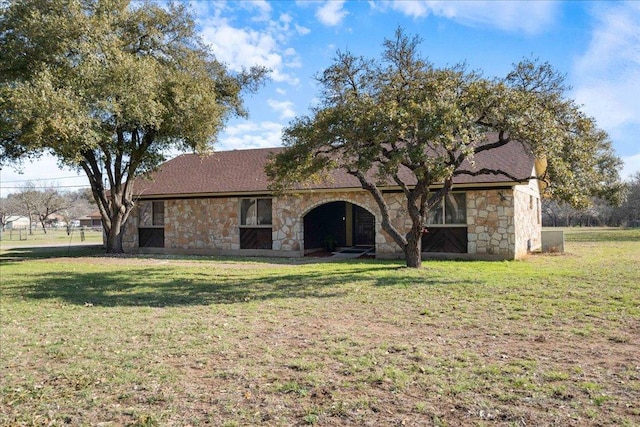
column 552, row 340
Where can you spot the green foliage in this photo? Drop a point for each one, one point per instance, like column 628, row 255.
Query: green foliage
column 107, row 87
column 401, row 121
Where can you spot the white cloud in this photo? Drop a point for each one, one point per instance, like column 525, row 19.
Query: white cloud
column 302, row 30
column 285, row 108
column 251, row 135
column 607, row 76
column 212, row 10
column 42, row 172
column 530, row 17
column 331, row 13
column 286, row 18
column 243, row 48
column 263, row 42
column 262, row 7
column 631, row 166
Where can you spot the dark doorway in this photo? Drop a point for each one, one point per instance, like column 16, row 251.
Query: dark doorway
column 324, row 226
column 338, row 224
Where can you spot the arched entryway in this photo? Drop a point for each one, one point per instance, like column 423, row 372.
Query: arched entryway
column 337, row 225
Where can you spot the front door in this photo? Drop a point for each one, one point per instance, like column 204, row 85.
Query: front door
column 365, row 227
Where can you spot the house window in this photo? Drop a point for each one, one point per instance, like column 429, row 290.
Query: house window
column 255, row 212
column 150, row 214
column 446, row 226
column 452, row 211
column 151, row 224
column 158, row 213
column 255, row 223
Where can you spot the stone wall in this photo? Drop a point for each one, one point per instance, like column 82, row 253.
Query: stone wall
column 130, row 236
column 490, row 222
column 194, row 224
column 289, row 213
column 504, row 223
column 211, row 225
column 202, row 224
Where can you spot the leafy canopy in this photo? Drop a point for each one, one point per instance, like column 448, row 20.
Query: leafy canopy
column 108, row 87
column 402, row 112
column 401, row 121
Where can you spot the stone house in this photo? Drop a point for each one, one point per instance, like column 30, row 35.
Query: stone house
column 221, row 205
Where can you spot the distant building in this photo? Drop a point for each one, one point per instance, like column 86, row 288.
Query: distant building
column 16, row 222
column 93, row 220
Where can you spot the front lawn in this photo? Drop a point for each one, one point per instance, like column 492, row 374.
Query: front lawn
column 187, row 341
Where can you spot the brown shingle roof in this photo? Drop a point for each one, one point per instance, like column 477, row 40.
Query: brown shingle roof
column 242, row 172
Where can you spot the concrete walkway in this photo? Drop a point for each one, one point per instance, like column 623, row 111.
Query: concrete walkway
column 349, row 253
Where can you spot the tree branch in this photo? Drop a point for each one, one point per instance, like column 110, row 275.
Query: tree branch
column 384, row 209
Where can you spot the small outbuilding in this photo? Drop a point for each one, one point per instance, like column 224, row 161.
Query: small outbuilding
column 93, row 220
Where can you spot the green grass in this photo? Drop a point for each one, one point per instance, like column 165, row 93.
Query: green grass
column 54, row 236
column 551, row 340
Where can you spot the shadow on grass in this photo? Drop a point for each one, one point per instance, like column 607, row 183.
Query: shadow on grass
column 158, row 286
column 40, row 252
column 168, row 286
column 75, row 251
column 145, row 287
column 154, row 287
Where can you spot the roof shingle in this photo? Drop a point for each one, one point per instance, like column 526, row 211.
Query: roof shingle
column 242, row 172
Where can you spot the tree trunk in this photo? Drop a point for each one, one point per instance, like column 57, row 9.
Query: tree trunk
column 413, row 256
column 413, row 249
column 114, row 241
column 114, row 231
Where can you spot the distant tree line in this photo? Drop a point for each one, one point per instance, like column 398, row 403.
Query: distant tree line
column 44, row 206
column 598, row 213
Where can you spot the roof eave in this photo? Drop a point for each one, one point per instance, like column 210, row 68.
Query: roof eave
column 264, row 192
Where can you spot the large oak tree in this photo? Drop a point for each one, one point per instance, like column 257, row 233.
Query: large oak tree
column 401, row 121
column 108, row 87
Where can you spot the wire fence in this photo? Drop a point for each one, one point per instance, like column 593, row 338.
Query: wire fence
column 52, row 235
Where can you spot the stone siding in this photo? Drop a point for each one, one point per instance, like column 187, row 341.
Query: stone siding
column 289, row 213
column 194, row 224
column 202, row 224
column 490, row 223
column 211, row 225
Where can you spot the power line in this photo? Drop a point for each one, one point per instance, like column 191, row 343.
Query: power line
column 53, row 186
column 43, row 179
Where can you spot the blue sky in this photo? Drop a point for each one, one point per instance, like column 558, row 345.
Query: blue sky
column 596, row 44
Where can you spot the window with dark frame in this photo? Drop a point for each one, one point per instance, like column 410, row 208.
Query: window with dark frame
column 256, row 219
column 158, row 213
column 452, row 211
column 447, row 225
column 151, row 224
